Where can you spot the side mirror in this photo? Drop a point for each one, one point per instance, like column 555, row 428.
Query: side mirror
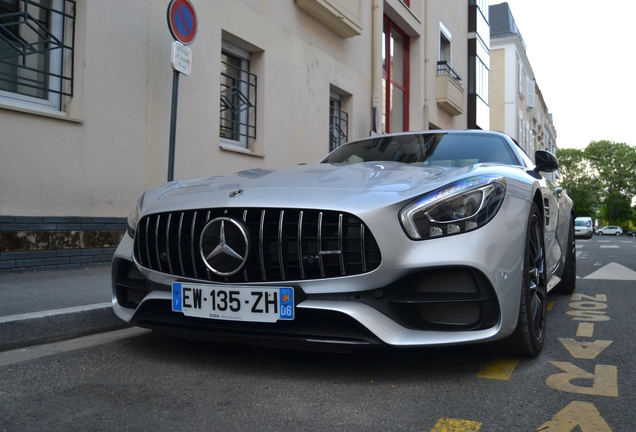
column 545, row 161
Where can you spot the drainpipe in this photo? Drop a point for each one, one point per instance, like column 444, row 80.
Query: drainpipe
column 425, row 111
column 377, row 26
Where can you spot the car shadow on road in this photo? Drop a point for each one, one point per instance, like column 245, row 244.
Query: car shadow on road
column 396, row 364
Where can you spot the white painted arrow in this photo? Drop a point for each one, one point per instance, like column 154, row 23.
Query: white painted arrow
column 613, row 271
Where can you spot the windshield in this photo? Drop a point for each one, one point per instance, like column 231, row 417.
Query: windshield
column 437, row 149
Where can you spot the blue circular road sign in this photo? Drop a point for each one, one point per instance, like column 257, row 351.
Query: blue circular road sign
column 182, row 21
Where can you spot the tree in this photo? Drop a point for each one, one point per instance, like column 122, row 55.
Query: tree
column 613, row 166
column 579, row 182
column 616, row 209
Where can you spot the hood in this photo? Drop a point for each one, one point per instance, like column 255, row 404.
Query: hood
column 308, row 186
column 386, row 176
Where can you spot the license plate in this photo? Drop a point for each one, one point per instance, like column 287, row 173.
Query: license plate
column 239, row 303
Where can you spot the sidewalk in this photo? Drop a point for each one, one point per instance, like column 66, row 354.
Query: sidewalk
column 48, row 306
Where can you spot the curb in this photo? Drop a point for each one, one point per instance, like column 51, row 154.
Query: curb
column 18, row 331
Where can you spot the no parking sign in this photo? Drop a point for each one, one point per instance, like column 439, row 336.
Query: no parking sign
column 182, row 21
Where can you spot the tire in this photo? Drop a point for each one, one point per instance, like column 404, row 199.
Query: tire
column 599, row 233
column 568, row 278
column 528, row 338
column 617, row 234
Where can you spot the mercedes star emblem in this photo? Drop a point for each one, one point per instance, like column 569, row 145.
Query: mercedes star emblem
column 224, row 246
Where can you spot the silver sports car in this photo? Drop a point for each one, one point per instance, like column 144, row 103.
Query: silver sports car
column 407, row 240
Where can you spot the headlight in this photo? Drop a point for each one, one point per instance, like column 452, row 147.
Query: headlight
column 133, row 216
column 459, row 207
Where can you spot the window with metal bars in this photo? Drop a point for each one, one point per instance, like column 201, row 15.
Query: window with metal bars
column 338, row 122
column 36, row 51
column 238, row 97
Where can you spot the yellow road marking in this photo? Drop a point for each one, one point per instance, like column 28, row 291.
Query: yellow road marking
column 549, row 305
column 581, row 297
column 581, row 414
column 588, row 305
column 584, row 350
column 456, row 425
column 588, row 315
column 500, row 368
column 604, row 380
column 585, row 329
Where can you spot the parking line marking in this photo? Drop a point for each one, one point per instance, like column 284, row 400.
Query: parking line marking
column 54, row 312
column 34, row 352
column 610, row 247
column 456, row 425
column 549, row 305
column 499, row 368
column 585, row 329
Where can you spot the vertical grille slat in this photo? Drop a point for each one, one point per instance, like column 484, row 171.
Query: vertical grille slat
column 285, row 244
column 168, row 242
column 138, row 243
column 157, row 242
column 207, row 270
column 363, row 258
column 180, row 242
column 320, row 260
column 245, row 274
column 148, row 243
column 261, row 244
column 280, row 244
column 300, row 245
column 193, row 243
column 341, row 255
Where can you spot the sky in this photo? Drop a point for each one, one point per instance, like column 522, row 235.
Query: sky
column 583, row 55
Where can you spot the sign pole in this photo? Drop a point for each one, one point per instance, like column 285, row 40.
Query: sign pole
column 173, row 124
column 182, row 22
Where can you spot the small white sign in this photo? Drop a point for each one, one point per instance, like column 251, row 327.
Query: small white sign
column 181, row 58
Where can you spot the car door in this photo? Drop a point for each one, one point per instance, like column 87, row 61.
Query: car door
column 558, row 209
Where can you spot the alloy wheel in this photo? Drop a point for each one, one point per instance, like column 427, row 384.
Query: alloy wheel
column 536, row 273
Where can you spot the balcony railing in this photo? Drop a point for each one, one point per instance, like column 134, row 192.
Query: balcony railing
column 450, row 93
column 443, row 68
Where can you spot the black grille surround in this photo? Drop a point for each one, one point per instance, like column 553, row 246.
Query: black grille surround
column 285, row 244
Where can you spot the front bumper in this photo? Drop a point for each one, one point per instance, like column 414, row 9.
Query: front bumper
column 452, row 290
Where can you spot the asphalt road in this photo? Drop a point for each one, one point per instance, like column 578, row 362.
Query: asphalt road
column 582, row 381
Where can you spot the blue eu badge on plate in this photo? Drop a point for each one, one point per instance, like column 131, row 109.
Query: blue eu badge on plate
column 286, row 303
column 176, row 297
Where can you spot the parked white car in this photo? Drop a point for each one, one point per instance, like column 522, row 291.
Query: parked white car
column 610, row 230
column 583, row 227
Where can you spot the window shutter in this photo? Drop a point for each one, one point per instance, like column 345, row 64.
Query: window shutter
column 531, row 96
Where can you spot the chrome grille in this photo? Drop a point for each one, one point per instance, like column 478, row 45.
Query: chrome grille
column 285, row 244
